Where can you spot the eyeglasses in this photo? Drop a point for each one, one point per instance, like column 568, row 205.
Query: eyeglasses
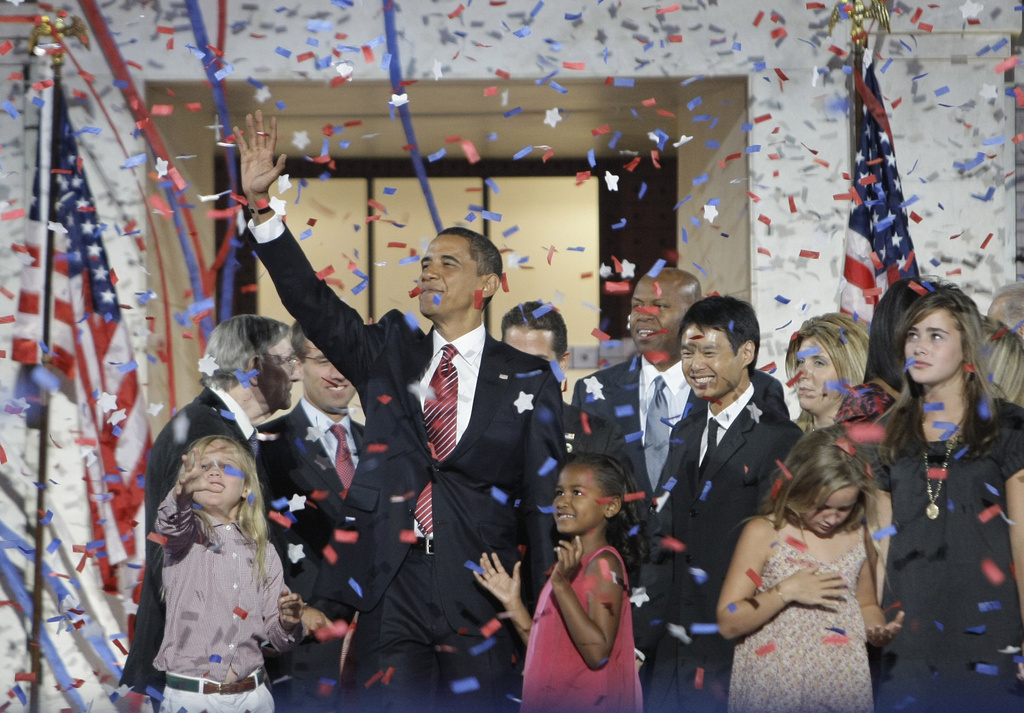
column 291, row 361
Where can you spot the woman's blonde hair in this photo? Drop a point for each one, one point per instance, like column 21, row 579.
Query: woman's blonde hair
column 844, row 340
column 252, row 520
column 1004, row 352
column 822, row 462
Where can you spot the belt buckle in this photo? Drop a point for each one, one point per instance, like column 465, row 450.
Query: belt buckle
column 428, row 545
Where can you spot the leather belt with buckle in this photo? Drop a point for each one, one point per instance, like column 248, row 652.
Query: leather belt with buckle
column 249, row 683
column 424, row 544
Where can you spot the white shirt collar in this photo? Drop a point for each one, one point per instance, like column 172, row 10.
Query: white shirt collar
column 241, row 418
column 727, row 416
column 470, row 345
column 319, row 419
column 674, row 378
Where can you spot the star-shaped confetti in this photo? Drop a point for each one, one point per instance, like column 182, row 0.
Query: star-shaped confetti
column 262, row 94
column 154, row 409
column 207, row 365
column 437, row 69
column 755, row 412
column 107, row 402
column 295, row 553
column 161, row 167
column 971, row 9
column 398, row 100
column 612, row 180
column 314, row 434
column 710, row 213
column 88, row 454
column 628, row 271
column 594, row 388
column 283, row 183
column 524, row 402
column 117, row 416
column 279, row 206
column 552, row 117
column 989, row 91
column 345, row 68
column 300, row 139
column 605, row 271
column 298, row 502
column 639, row 597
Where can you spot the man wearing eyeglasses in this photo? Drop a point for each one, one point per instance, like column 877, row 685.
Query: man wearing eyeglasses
column 247, row 372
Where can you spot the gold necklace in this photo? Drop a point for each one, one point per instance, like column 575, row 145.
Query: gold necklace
column 932, row 510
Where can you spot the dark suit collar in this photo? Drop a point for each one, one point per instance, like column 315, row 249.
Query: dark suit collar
column 318, row 461
column 496, row 376
column 734, row 439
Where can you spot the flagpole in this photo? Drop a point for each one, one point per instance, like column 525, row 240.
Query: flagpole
column 857, row 12
column 46, row 39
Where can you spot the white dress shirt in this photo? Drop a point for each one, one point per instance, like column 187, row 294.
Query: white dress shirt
column 241, row 417
column 677, row 390
column 467, row 363
column 322, row 422
column 726, row 417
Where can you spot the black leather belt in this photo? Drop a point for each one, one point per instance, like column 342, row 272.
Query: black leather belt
column 424, row 544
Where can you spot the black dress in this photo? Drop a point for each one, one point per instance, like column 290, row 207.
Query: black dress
column 952, row 576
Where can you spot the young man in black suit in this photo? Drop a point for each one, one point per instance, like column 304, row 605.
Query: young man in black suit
column 723, row 459
column 311, row 454
column 257, row 347
column 462, row 446
column 539, row 329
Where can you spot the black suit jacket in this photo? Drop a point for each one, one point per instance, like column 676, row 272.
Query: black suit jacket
column 708, row 511
column 487, row 495
column 604, row 437
column 205, row 416
column 300, row 467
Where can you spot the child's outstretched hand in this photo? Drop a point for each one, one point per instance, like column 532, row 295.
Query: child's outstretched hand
column 814, row 587
column 194, row 477
column 289, row 608
column 496, row 580
column 883, row 635
column 569, row 556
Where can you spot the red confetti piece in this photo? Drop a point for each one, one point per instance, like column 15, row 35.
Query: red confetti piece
column 574, row 65
column 490, row 91
column 675, row 38
column 384, row 399
column 985, row 243
column 698, row 680
column 792, row 204
column 630, row 497
column 376, row 448
column 6, row 47
column 766, row 649
column 502, row 73
column 157, row 538
column 582, row 177
column 758, row 18
column 812, row 254
column 755, row 578
column 330, row 555
column 504, row 282
column 617, row 288
column 334, row 630
column 456, row 12
column 779, row 33
column 373, row 679
column 671, row 543
column 408, row 537
column 796, row 378
column 240, row 612
column 837, row 639
column 764, row 251
column 490, row 628
column 845, row 445
column 478, row 297
column 472, row 155
column 776, row 487
column 988, row 513
column 796, row 544
column 346, row 537
column 666, row 10
column 24, row 677
column 765, row 219
column 280, row 519
column 600, row 130
column 992, row 572
column 120, row 647
column 600, row 335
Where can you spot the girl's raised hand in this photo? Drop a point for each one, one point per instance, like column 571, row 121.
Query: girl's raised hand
column 193, row 479
column 289, row 609
column 883, row 635
column 569, row 556
column 813, row 587
column 495, row 580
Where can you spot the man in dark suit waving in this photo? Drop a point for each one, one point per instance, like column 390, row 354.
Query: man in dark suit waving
column 311, row 455
column 723, row 459
column 462, row 445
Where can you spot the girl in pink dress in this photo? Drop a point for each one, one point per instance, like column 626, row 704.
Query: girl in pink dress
column 801, row 588
column 579, row 653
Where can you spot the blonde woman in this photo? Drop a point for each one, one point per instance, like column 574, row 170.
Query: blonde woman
column 824, row 359
column 1004, row 352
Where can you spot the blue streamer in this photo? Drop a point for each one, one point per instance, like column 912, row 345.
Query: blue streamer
column 227, row 271
column 395, row 71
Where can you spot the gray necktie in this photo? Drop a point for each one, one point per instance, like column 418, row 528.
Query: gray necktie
column 656, row 433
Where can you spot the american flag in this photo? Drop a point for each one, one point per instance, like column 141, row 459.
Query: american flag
column 89, row 343
column 879, row 250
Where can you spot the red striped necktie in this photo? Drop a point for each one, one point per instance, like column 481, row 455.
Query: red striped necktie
column 440, row 416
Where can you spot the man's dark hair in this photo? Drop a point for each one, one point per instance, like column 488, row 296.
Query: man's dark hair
column 522, row 315
column 727, row 314
column 484, row 253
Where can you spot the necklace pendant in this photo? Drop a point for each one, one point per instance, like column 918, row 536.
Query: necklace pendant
column 932, row 511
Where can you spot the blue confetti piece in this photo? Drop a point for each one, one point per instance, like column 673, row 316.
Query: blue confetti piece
column 975, row 629
column 697, row 628
column 522, row 153
column 42, row 378
column 699, row 575
column 624, row 411
column 215, row 658
column 130, row 366
column 283, row 52
column 465, row 685
column 783, row 300
column 707, row 488
column 987, row 669
column 490, row 215
column 656, row 269
column 513, row 112
column 355, row 587
column 557, row 371
column 522, row 32
column 810, row 351
column 620, row 225
column 939, row 626
column 885, row 532
column 279, row 504
column 547, row 467
column 499, row 495
column 482, row 646
column 135, row 160
column 411, row 321
column 546, row 509
column 470, row 564
column 437, row 155
column 591, row 160
column 52, row 547
column 46, row 518
column 994, row 605
column 992, row 489
column 152, row 693
column 732, row 608
column 934, row 406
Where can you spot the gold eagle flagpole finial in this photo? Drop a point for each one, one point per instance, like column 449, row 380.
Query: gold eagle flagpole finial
column 859, row 11
column 47, row 37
